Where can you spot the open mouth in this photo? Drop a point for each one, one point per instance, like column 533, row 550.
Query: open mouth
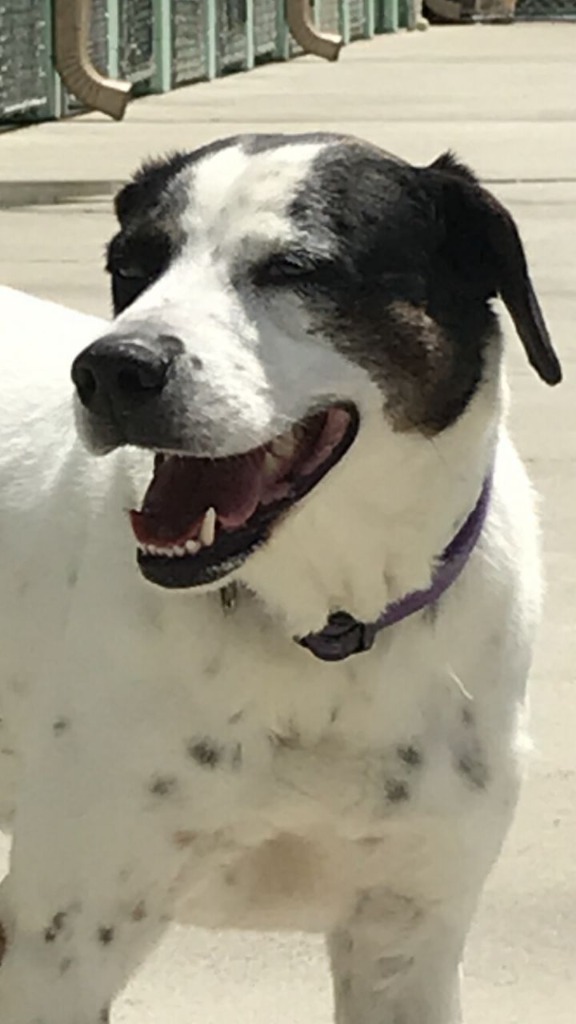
column 201, row 518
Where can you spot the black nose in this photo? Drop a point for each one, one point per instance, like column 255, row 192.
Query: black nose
column 117, row 374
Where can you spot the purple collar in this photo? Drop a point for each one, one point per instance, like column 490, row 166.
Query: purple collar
column 343, row 635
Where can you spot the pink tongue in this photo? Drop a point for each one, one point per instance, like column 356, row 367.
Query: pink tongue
column 183, row 489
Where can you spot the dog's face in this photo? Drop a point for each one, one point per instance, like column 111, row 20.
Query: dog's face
column 275, row 296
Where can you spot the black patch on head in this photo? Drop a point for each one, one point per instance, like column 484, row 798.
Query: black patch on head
column 205, row 752
column 397, row 791
column 384, row 295
column 410, row 755
column 105, row 935
column 149, row 210
column 56, row 926
column 163, row 785
column 397, row 265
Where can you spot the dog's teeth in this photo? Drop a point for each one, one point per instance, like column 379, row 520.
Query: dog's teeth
column 151, row 549
column 283, row 447
column 208, row 528
column 192, row 546
column 270, row 464
column 178, row 550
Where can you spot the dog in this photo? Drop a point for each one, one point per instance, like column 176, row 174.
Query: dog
column 270, row 580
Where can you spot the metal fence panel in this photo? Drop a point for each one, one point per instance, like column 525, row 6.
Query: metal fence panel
column 328, row 16
column 136, row 39
column 24, row 60
column 265, row 15
column 189, row 58
column 231, row 34
column 357, row 18
column 99, row 35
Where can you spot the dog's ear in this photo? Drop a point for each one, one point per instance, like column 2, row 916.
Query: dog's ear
column 482, row 244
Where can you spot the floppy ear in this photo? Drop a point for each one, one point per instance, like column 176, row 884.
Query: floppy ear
column 482, row 240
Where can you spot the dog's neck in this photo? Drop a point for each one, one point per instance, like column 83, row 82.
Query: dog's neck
column 344, row 636
column 375, row 528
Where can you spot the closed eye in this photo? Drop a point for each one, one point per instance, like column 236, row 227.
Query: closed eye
column 293, row 268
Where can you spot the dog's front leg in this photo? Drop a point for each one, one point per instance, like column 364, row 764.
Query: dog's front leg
column 97, row 856
column 393, row 962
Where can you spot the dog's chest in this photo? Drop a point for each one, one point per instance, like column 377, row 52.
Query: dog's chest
column 302, row 782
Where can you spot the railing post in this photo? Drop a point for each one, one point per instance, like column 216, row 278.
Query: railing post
column 390, row 18
column 250, row 35
column 369, row 18
column 113, row 27
column 54, row 92
column 282, row 49
column 211, row 40
column 344, row 19
column 162, row 74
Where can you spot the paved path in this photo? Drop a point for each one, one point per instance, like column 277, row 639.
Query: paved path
column 505, row 99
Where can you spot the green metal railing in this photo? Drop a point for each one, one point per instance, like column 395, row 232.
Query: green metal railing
column 160, row 44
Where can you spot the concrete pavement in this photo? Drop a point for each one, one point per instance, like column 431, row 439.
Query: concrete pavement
column 505, row 99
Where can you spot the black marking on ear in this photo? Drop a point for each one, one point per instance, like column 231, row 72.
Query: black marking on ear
column 483, row 248
column 451, row 164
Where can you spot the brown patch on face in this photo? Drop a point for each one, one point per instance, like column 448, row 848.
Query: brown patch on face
column 428, row 372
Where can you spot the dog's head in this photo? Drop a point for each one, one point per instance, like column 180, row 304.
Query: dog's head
column 282, row 303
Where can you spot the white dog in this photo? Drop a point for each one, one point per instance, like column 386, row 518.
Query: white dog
column 264, row 663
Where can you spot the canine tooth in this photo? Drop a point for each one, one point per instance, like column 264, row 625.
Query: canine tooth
column 192, row 546
column 208, row 528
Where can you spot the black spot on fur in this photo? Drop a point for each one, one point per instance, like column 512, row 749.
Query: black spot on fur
column 473, row 769
column 105, row 935
column 139, row 912
column 55, row 927
column 345, row 985
column 288, row 739
column 411, row 756
column 205, row 753
column 163, row 785
column 60, row 726
column 467, row 717
column 397, row 791
column 104, row 1017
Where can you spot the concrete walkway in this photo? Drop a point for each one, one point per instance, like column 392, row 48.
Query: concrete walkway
column 505, row 99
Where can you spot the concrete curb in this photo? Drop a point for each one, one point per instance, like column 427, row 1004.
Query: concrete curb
column 48, row 193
